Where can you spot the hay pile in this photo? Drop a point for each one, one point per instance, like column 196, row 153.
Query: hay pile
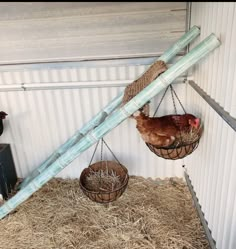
column 149, row 215
column 187, row 137
column 102, row 180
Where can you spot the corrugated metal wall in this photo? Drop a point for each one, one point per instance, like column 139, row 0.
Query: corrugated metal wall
column 212, row 166
column 40, row 120
column 216, row 74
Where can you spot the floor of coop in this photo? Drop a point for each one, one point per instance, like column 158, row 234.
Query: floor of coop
column 150, row 214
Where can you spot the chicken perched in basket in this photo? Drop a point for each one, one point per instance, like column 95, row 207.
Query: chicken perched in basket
column 163, row 131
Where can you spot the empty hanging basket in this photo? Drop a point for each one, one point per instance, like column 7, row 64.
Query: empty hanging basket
column 104, row 181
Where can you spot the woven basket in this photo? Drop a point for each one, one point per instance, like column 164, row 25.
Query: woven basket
column 103, row 196
column 178, row 152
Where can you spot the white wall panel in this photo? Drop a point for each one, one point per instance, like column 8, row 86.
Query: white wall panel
column 212, row 167
column 41, row 120
column 216, row 73
column 212, row 170
column 34, row 32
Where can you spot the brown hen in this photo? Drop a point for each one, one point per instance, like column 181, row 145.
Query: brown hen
column 162, row 131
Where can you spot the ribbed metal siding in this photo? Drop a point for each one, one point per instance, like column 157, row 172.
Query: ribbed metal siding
column 212, row 166
column 216, row 74
column 212, row 170
column 74, row 74
column 40, row 120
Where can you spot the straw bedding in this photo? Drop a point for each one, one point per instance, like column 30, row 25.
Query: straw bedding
column 102, row 180
column 150, row 214
column 187, row 137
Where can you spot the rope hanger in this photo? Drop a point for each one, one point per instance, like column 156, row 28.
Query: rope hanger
column 183, row 148
column 173, row 94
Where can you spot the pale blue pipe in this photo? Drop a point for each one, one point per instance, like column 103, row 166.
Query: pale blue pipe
column 165, row 79
column 100, row 117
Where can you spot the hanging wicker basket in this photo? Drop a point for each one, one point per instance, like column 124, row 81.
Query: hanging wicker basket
column 181, row 148
column 98, row 184
column 178, row 152
column 185, row 143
